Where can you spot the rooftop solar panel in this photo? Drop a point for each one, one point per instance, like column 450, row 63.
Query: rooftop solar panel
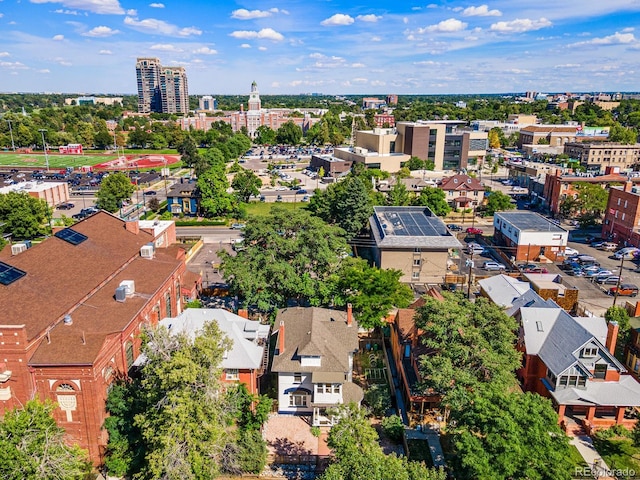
column 9, row 274
column 71, row 236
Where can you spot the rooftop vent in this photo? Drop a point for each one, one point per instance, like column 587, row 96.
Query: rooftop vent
column 121, row 294
column 146, row 251
column 17, row 248
column 129, row 285
column 68, row 320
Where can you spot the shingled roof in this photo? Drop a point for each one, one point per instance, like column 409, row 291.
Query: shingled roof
column 315, row 332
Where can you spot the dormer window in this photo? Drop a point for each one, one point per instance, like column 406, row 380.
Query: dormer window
column 590, row 351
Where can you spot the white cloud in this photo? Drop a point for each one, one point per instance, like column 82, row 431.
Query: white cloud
column 368, row 18
column 432, row 5
column 627, row 30
column 568, row 65
column 132, row 12
column 44, row 70
column 58, row 38
column 262, row 49
column 111, row 7
column 520, row 25
column 245, row 45
column 205, row 51
column 457, row 9
column 264, row 34
column 244, row 14
column 446, row 26
column 358, row 65
column 481, row 11
column 376, row 39
column 155, row 26
column 339, row 19
column 100, row 31
column 405, row 20
column 518, row 71
column 156, row 5
column 165, row 47
column 615, row 39
column 66, row 12
column 13, row 65
column 426, row 63
column 63, row 62
column 5, row 54
column 105, row 52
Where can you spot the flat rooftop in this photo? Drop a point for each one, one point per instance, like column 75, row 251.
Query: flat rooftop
column 529, row 221
column 410, row 227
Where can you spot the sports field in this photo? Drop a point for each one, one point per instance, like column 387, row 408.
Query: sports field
column 106, row 161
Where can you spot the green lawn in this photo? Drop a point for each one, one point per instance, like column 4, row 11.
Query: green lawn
column 618, row 453
column 260, row 209
column 575, row 458
column 55, row 161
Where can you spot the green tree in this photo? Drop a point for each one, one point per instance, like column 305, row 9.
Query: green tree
column 32, row 446
column 113, row 190
column 265, row 135
column 619, row 314
column 498, row 202
column 345, row 204
column 354, row 443
column 213, row 185
column 592, row 198
column 24, row 216
column 415, row 163
column 371, row 291
column 289, row 133
column 246, row 183
column 398, row 195
column 434, row 198
column 494, row 137
column 288, row 254
column 188, row 151
column 494, row 430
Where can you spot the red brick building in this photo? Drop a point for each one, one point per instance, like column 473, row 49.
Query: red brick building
column 72, row 310
column 622, row 217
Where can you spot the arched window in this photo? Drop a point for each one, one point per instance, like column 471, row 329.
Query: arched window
column 65, row 387
column 167, row 303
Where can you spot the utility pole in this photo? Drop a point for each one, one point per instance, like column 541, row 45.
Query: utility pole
column 13, row 145
column 615, row 295
column 44, row 145
column 470, row 265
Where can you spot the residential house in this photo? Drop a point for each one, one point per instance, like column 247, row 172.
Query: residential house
column 551, row 286
column 314, row 361
column 463, row 191
column 502, row 290
column 412, row 184
column 528, row 236
column 248, row 356
column 412, row 240
column 184, row 198
column 73, row 307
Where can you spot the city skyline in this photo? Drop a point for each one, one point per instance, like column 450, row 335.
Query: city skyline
column 334, row 47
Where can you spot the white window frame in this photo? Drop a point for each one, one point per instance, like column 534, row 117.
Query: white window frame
column 232, row 374
column 298, row 400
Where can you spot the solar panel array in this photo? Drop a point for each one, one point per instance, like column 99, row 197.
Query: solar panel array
column 9, row 274
column 414, row 224
column 71, row 236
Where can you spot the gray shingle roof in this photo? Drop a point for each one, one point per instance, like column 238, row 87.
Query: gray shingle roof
column 503, row 290
column 315, row 331
column 625, row 392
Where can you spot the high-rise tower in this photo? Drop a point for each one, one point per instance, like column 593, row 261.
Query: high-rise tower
column 161, row 89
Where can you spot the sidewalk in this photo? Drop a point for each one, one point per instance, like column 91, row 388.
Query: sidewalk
column 591, row 456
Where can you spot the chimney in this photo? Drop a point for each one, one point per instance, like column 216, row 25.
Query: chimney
column 628, row 186
column 349, row 315
column 132, row 226
column 281, row 338
column 244, row 313
column 612, row 336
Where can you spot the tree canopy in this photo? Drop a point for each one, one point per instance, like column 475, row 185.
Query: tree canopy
column 497, row 202
column 114, row 188
column 246, row 183
column 434, row 198
column 32, row 446
column 24, row 216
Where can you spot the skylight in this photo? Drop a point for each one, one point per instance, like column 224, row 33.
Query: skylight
column 71, row 236
column 9, row 274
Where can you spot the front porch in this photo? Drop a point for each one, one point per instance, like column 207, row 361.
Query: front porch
column 592, row 417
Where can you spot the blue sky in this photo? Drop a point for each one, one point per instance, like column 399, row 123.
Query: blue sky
column 323, row 46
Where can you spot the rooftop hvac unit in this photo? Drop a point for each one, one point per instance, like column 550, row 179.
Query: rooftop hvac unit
column 17, row 248
column 121, row 294
column 147, row 251
column 129, row 285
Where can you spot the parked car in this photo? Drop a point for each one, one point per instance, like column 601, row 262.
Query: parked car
column 568, row 251
column 608, row 246
column 305, row 198
column 493, row 266
column 628, row 253
column 475, row 248
column 454, row 228
column 474, row 231
column 608, row 280
column 603, row 272
column 527, row 266
column 302, row 191
column 65, row 206
column 536, row 270
column 597, row 243
column 150, row 192
column 237, row 226
column 279, row 198
column 625, row 290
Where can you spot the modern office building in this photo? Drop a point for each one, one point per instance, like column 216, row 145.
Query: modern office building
column 208, row 103
column 161, row 89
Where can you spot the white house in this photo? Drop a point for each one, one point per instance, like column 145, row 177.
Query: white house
column 314, row 361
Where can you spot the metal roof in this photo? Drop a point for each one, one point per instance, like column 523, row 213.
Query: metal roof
column 529, row 221
column 410, row 227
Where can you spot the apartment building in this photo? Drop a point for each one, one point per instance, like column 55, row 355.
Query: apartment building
column 622, row 216
column 559, row 135
column 161, row 89
column 596, row 157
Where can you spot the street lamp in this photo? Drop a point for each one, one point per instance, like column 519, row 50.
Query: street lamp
column 44, row 145
column 13, row 146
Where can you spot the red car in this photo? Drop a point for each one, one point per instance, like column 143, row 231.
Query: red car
column 474, row 231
